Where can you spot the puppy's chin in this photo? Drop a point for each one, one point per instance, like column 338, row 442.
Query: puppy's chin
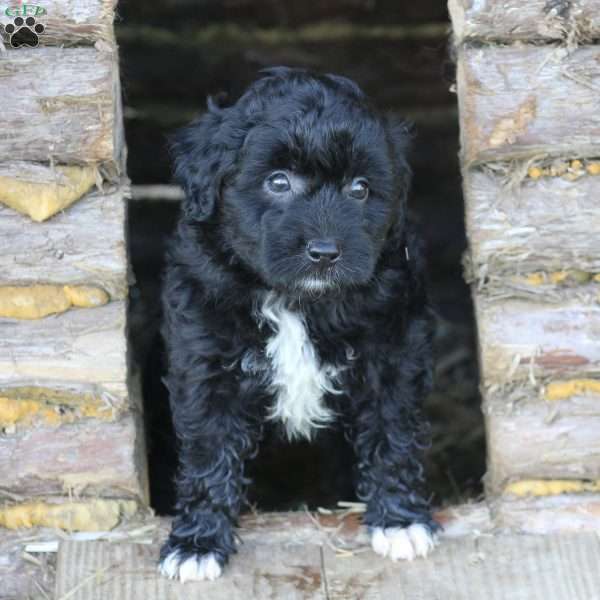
column 314, row 285
column 308, row 286
column 318, row 286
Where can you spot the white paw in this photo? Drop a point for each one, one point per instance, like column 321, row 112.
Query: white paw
column 402, row 543
column 193, row 568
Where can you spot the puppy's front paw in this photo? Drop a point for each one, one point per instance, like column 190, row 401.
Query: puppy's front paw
column 403, row 543
column 190, row 567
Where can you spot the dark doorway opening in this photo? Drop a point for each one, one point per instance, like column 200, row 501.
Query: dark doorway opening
column 176, row 52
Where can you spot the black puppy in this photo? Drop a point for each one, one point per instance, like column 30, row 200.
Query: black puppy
column 294, row 293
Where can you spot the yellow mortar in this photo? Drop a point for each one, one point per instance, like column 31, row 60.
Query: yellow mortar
column 85, row 296
column 535, row 172
column 551, row 487
column 569, row 170
column 576, row 165
column 571, row 277
column 85, row 515
column 25, row 405
column 41, row 200
column 38, row 301
column 561, row 390
column 564, row 278
column 534, row 279
column 557, row 169
column 593, row 168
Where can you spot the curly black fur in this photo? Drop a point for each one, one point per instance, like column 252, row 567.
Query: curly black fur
column 235, row 243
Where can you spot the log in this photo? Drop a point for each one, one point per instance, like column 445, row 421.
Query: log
column 515, row 20
column 68, row 22
column 83, row 246
column 81, row 345
column 76, row 459
column 525, row 102
column 556, row 287
column 555, row 514
column 62, row 105
column 536, row 225
column 543, row 440
column 520, row 340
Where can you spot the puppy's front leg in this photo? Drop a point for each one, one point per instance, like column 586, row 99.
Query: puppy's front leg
column 210, row 490
column 390, row 480
column 389, row 434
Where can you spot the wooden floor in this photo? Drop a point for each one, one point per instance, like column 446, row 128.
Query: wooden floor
column 320, row 556
column 296, row 557
column 513, row 567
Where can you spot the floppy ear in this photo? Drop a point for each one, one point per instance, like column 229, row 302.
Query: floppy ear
column 400, row 134
column 203, row 153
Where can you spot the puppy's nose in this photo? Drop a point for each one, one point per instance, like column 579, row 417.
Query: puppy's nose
column 323, row 251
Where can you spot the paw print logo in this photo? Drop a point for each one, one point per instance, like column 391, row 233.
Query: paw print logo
column 24, row 32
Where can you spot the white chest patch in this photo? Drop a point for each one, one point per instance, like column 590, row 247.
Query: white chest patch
column 298, row 380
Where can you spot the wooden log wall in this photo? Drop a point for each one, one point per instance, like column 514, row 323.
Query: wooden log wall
column 70, row 414
column 528, row 75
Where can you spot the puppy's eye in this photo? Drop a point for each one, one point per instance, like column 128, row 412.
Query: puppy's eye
column 359, row 189
column 278, row 183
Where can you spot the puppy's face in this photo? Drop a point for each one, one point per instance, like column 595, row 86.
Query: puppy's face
column 314, row 184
